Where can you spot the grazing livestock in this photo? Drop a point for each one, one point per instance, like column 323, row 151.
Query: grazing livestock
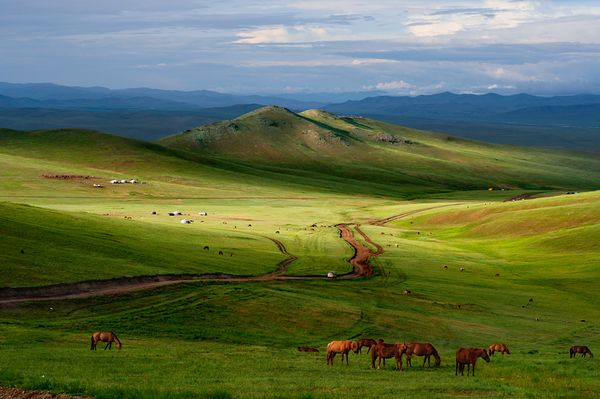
column 331, row 275
column 502, row 348
column 385, row 351
column 206, row 248
column 368, row 342
column 418, row 349
column 468, row 356
column 446, row 267
column 584, row 350
column 497, row 274
column 22, row 251
column 343, row 347
column 202, row 213
column 406, row 292
column 220, row 252
column 185, row 221
column 108, row 337
column 307, row 349
column 462, row 269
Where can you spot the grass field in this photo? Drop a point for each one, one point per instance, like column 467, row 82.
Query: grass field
column 220, row 340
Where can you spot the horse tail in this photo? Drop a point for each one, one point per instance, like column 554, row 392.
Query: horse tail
column 571, row 352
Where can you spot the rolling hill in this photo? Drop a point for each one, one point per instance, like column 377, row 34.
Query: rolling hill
column 360, row 149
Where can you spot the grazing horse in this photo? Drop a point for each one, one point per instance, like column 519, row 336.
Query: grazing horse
column 385, row 351
column 584, row 350
column 108, row 337
column 307, row 349
column 502, row 348
column 427, row 350
column 342, row 347
column 469, row 357
column 368, row 342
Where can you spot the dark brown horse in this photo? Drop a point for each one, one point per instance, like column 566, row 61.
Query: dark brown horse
column 108, row 337
column 469, row 357
column 502, row 348
column 343, row 347
column 368, row 342
column 427, row 350
column 385, row 351
column 307, row 349
column 584, row 350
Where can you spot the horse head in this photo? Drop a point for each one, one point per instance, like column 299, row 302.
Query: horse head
column 485, row 356
column 354, row 346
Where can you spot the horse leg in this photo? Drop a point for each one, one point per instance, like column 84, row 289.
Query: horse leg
column 106, row 346
column 473, row 369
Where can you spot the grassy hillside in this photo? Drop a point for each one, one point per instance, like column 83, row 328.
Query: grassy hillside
column 218, row 339
column 319, row 143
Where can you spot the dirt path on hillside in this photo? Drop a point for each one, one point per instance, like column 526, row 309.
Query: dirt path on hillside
column 359, row 261
column 16, row 393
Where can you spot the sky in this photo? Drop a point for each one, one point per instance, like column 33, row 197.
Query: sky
column 397, row 47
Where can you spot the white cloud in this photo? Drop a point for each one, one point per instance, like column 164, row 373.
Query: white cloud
column 394, row 85
column 283, row 34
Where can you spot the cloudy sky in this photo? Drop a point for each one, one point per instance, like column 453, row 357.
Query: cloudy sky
column 267, row 46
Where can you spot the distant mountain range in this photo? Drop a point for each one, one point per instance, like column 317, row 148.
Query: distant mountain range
column 578, row 110
column 562, row 121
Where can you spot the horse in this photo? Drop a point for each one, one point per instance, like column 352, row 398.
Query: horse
column 584, row 350
column 385, row 351
column 427, row 350
column 368, row 342
column 108, row 337
column 469, row 357
column 307, row 349
column 342, row 347
column 502, row 348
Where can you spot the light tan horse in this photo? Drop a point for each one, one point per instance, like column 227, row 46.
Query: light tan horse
column 343, row 347
column 502, row 348
column 418, row 349
column 469, row 357
column 108, row 337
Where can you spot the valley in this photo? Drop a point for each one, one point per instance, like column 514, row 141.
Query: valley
column 288, row 196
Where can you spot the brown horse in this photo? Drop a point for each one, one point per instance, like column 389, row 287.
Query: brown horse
column 307, row 349
column 368, row 342
column 469, row 357
column 385, row 351
column 108, row 337
column 502, row 348
column 343, row 347
column 427, row 350
column 584, row 350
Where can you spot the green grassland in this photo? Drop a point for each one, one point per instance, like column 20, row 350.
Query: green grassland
column 219, row 340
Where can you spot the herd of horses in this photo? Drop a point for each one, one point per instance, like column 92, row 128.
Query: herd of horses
column 381, row 350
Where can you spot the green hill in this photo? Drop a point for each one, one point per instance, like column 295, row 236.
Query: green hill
column 321, row 144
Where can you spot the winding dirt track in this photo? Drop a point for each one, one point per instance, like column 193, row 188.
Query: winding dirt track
column 359, row 261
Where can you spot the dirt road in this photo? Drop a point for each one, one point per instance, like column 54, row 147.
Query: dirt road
column 359, row 261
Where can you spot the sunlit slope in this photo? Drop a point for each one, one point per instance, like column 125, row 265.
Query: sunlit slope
column 25, row 157
column 41, row 246
column 319, row 143
column 549, row 241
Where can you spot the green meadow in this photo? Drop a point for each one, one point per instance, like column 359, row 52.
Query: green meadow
column 530, row 279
